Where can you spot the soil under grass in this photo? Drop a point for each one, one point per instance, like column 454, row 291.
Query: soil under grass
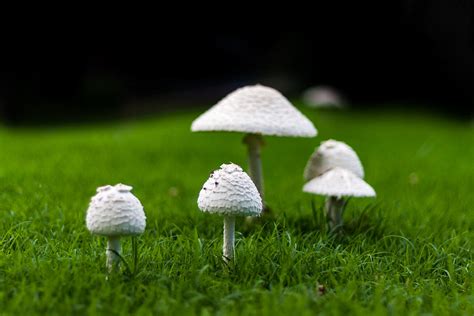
column 409, row 251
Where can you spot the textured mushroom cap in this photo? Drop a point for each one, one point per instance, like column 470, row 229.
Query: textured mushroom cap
column 258, row 110
column 230, row 191
column 339, row 182
column 115, row 211
column 331, row 154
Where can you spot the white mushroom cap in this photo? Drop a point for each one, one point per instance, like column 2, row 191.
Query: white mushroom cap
column 339, row 182
column 331, row 154
column 114, row 211
column 258, row 110
column 230, row 191
column 323, row 96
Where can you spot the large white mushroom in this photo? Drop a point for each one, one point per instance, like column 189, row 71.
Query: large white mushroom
column 255, row 110
column 114, row 212
column 334, row 170
column 230, row 192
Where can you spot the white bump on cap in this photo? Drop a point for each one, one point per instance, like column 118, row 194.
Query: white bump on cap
column 258, row 110
column 123, row 187
column 331, row 154
column 230, row 191
column 115, row 211
column 104, row 188
column 339, row 182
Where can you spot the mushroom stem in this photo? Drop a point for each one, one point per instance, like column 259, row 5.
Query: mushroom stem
column 113, row 248
column 229, row 229
column 334, row 209
column 254, row 143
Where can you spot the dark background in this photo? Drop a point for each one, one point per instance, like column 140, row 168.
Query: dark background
column 407, row 53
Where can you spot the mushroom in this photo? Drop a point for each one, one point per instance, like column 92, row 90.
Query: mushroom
column 336, row 184
column 323, row 97
column 255, row 110
column 330, row 154
column 115, row 212
column 230, row 192
column 335, row 170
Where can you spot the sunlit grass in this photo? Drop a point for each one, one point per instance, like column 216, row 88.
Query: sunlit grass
column 408, row 251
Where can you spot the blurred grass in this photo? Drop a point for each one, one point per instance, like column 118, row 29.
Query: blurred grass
column 409, row 251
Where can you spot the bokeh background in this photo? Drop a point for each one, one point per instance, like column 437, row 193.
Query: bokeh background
column 403, row 53
column 104, row 103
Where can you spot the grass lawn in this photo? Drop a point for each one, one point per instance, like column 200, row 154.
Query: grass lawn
column 409, row 251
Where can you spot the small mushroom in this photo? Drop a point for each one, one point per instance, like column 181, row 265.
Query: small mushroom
column 336, row 184
column 330, row 154
column 230, row 192
column 115, row 212
column 256, row 111
column 324, row 97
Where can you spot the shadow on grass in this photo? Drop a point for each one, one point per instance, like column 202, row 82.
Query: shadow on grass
column 367, row 222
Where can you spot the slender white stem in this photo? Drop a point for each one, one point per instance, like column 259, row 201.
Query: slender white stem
column 113, row 247
column 254, row 143
column 334, row 210
column 228, row 247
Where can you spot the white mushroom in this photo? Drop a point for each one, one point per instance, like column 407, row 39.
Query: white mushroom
column 337, row 183
column 255, row 110
column 331, row 154
column 323, row 97
column 115, row 212
column 230, row 192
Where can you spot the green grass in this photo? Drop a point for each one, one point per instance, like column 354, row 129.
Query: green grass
column 407, row 252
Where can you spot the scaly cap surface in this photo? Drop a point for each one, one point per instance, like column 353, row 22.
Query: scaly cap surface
column 257, row 110
column 331, row 154
column 230, row 191
column 114, row 211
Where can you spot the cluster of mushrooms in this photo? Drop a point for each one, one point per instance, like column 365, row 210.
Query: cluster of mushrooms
column 334, row 170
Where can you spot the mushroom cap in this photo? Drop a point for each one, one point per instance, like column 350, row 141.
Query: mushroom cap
column 331, row 154
column 258, row 110
column 230, row 191
column 339, row 182
column 323, row 96
column 114, row 211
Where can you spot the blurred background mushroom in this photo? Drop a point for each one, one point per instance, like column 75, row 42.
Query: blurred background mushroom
column 323, row 97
